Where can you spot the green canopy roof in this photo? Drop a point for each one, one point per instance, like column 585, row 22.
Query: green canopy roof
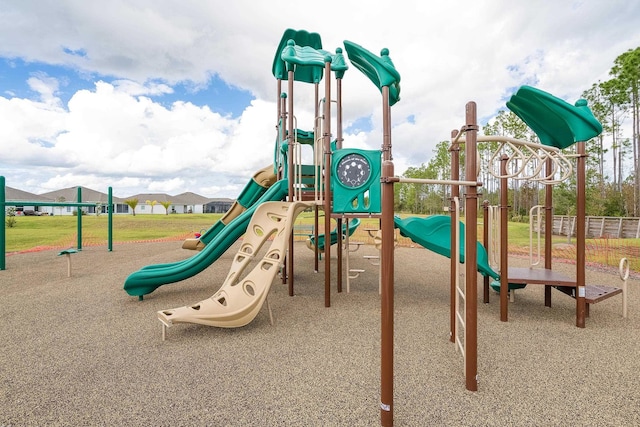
column 556, row 122
column 379, row 69
column 303, row 73
column 302, row 52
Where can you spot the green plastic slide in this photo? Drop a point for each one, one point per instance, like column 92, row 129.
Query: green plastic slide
column 252, row 192
column 353, row 224
column 150, row 278
column 434, row 233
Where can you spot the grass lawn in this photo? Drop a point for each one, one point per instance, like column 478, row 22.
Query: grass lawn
column 60, row 231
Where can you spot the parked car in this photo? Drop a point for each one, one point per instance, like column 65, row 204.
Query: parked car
column 31, row 213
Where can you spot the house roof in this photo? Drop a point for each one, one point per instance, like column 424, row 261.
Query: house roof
column 188, row 198
column 193, row 198
column 88, row 195
column 180, row 199
column 220, row 200
column 15, row 194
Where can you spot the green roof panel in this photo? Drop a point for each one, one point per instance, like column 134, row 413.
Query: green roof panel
column 556, row 122
column 379, row 69
column 303, row 73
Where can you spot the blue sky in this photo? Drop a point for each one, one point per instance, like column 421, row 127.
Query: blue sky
column 15, row 72
column 167, row 96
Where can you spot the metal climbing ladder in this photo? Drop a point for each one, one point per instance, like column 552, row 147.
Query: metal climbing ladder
column 461, row 304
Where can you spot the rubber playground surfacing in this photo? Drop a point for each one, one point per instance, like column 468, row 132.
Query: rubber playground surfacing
column 80, row 351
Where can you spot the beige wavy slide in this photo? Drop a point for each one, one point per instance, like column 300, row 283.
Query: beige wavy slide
column 238, row 301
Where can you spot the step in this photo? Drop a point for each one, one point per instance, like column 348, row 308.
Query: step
column 597, row 293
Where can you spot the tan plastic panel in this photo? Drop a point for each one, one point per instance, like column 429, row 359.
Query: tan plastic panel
column 233, row 212
column 239, row 299
column 193, row 244
column 265, row 176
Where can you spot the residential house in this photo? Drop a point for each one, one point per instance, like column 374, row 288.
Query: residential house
column 88, row 195
column 14, row 194
column 148, row 203
column 151, row 203
column 192, row 202
column 218, row 205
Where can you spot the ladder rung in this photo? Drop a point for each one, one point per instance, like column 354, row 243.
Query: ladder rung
column 460, row 319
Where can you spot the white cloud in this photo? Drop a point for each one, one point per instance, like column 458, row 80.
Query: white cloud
column 108, row 132
column 135, row 89
column 447, row 53
column 46, row 87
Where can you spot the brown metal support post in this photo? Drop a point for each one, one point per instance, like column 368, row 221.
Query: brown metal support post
column 339, row 113
column 315, row 236
column 339, row 253
column 282, row 107
column 279, row 109
column 316, row 92
column 455, row 192
column 283, row 274
column 504, row 240
column 282, row 102
column 338, row 146
column 316, row 161
column 386, row 270
column 548, row 229
column 290, row 139
column 581, row 236
column 290, row 267
column 327, row 184
column 387, row 298
column 485, row 238
column 471, row 256
column 291, row 135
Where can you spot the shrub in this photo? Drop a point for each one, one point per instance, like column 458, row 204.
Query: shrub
column 520, row 218
column 11, row 217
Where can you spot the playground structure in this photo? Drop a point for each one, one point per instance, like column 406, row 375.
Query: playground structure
column 349, row 184
column 558, row 125
column 78, row 203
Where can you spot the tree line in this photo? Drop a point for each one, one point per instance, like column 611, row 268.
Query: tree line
column 613, row 162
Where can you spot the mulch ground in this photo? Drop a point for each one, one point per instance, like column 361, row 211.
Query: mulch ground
column 80, row 351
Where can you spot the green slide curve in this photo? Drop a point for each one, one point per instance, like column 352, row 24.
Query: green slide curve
column 333, row 238
column 434, row 233
column 255, row 188
column 148, row 279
